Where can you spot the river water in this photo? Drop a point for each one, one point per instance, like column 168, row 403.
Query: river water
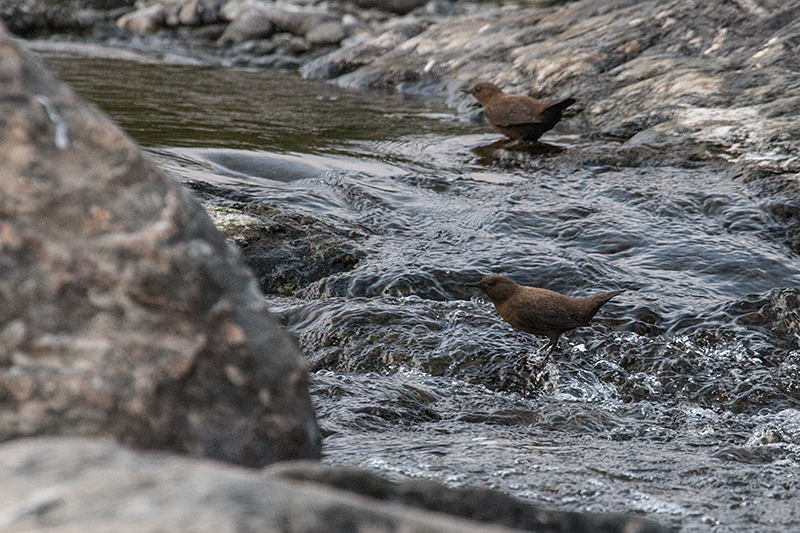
column 679, row 402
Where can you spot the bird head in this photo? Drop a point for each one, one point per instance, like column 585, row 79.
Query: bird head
column 484, row 91
column 498, row 288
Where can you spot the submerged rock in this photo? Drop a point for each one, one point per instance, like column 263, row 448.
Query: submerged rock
column 123, row 311
column 481, row 505
column 287, row 251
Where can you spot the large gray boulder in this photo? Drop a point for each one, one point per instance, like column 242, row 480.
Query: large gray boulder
column 123, row 311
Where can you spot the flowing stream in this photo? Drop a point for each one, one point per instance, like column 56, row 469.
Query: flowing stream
column 680, row 401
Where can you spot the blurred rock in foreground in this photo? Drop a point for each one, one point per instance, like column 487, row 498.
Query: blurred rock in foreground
column 123, row 311
column 76, row 484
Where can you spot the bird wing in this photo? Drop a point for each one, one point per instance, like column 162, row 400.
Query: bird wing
column 513, row 111
column 544, row 313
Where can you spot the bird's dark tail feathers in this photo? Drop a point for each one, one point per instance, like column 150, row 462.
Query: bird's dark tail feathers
column 599, row 300
column 561, row 105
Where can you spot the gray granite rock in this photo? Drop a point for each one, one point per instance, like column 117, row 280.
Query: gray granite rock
column 123, row 311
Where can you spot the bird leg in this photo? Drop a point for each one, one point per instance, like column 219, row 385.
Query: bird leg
column 552, row 346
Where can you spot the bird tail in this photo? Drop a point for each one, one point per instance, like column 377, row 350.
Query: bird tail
column 559, row 107
column 599, row 300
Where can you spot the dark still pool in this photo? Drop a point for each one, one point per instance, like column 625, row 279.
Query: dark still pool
column 680, row 400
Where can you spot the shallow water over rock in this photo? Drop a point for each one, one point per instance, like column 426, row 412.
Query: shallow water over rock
column 681, row 401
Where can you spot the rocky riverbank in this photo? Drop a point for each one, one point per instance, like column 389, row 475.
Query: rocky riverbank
column 715, row 78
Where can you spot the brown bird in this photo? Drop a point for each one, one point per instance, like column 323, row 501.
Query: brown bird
column 518, row 117
column 540, row 311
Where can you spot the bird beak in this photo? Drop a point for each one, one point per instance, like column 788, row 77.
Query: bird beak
column 464, row 90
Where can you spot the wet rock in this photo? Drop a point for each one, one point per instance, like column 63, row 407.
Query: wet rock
column 73, row 484
column 286, row 250
column 146, row 20
column 477, row 504
column 250, row 25
column 123, row 311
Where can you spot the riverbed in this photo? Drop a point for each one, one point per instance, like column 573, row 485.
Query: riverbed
column 679, row 402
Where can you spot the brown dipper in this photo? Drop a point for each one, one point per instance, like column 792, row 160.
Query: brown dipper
column 540, row 311
column 518, row 117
